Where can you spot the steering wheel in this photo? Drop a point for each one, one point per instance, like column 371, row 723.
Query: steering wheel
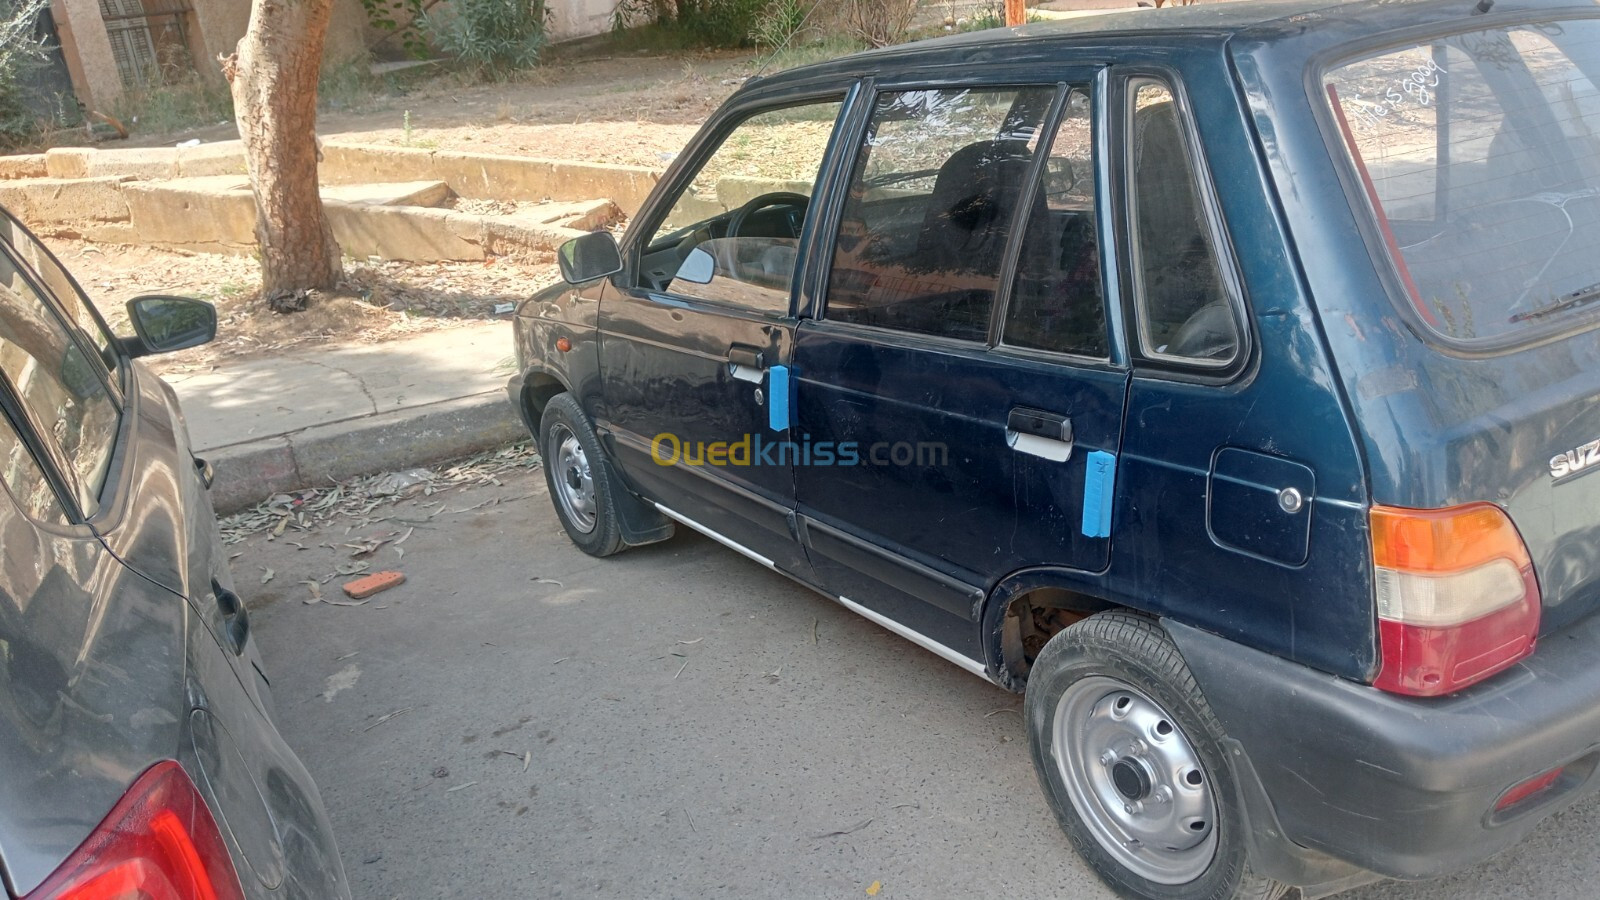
column 765, row 201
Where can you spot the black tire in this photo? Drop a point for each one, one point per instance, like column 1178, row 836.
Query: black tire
column 1114, row 651
column 574, row 469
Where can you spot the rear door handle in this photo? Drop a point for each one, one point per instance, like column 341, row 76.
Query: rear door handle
column 746, row 363
column 1038, row 433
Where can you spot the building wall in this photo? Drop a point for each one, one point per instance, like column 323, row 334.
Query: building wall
column 87, row 50
column 215, row 27
column 347, row 32
column 579, row 18
column 569, row 19
column 218, row 27
column 219, row 24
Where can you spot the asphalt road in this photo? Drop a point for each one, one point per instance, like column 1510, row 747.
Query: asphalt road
column 520, row 720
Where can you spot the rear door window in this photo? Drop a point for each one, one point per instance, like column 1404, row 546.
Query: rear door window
column 1479, row 157
column 59, row 384
column 936, row 186
column 1056, row 301
column 25, row 479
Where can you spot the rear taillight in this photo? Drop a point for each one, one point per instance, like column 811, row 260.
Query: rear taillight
column 159, row 843
column 1457, row 598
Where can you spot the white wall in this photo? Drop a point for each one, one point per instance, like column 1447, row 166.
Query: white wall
column 579, row 18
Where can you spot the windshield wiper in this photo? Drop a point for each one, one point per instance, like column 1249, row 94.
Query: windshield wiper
column 1580, row 297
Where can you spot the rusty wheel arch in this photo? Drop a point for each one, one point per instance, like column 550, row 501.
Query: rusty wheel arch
column 1023, row 612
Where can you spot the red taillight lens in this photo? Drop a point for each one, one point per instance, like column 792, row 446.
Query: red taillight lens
column 159, row 843
column 1457, row 598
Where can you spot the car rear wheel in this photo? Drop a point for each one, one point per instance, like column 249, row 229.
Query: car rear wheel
column 1128, row 754
column 575, row 470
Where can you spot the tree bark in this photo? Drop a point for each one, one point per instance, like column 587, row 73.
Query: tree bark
column 274, row 83
column 1016, row 12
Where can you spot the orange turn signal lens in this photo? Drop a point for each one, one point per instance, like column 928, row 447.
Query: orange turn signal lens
column 1444, row 540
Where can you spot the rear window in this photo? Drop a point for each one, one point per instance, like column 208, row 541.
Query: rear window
column 1479, row 154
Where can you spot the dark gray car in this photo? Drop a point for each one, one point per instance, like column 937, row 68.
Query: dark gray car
column 137, row 752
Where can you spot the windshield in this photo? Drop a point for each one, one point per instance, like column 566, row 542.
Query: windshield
column 1480, row 156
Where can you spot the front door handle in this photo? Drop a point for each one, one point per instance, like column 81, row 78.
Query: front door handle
column 1039, row 433
column 207, row 472
column 235, row 618
column 746, row 363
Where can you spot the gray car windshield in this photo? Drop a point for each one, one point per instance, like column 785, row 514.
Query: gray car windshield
column 1479, row 154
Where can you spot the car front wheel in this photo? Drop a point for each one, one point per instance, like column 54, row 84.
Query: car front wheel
column 575, row 470
column 1128, row 754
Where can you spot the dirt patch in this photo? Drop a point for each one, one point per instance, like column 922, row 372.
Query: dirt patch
column 632, row 109
column 486, row 207
column 638, row 109
column 377, row 300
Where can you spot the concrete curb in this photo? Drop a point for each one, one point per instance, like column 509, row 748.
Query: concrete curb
column 250, row 472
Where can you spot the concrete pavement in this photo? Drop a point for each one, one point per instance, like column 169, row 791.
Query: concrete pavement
column 304, row 419
column 521, row 720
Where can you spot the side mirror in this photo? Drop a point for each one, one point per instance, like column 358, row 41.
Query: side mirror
column 164, row 324
column 698, row 267
column 590, row 257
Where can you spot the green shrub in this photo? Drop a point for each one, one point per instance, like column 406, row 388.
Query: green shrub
column 716, row 23
column 492, row 37
column 780, row 22
column 878, row 22
column 992, row 14
column 159, row 107
column 402, row 20
column 22, row 52
column 720, row 23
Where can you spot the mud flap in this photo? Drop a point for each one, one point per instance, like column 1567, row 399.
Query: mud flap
column 640, row 522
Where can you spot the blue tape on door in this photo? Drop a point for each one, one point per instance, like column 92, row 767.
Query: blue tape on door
column 778, row 398
column 1099, row 480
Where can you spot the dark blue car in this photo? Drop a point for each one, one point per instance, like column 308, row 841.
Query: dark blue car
column 1226, row 379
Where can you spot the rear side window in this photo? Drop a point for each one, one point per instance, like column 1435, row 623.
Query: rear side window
column 936, row 185
column 1479, row 155
column 1185, row 315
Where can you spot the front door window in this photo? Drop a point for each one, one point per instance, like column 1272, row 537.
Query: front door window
column 732, row 234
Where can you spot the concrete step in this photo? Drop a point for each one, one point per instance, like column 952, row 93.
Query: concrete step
column 217, row 214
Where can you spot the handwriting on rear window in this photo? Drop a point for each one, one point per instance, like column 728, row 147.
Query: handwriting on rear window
column 1418, row 87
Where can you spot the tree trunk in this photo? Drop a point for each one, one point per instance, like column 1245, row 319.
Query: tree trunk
column 1016, row 12
column 274, row 82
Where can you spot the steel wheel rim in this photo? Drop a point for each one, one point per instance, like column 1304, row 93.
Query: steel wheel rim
column 573, row 480
column 1135, row 780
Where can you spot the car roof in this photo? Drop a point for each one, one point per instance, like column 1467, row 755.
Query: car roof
column 1256, row 21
